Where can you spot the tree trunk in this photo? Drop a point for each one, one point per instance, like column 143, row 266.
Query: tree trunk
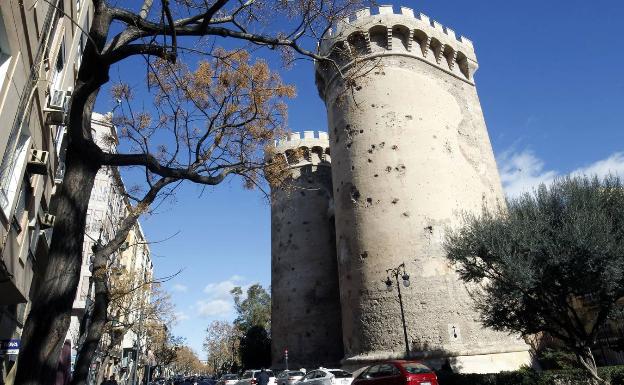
column 95, row 328
column 586, row 359
column 46, row 327
column 100, row 375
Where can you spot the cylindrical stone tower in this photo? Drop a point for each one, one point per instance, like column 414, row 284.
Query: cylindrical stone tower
column 304, row 277
column 410, row 154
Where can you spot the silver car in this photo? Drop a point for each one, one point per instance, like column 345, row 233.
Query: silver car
column 250, row 377
column 322, row 376
column 289, row 377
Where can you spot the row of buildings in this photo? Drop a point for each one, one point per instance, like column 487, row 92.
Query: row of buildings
column 41, row 46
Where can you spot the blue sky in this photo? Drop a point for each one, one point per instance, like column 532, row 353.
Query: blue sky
column 551, row 83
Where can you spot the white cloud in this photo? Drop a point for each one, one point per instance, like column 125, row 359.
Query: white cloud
column 180, row 288
column 214, row 308
column 181, row 316
column 219, row 302
column 523, row 171
column 613, row 165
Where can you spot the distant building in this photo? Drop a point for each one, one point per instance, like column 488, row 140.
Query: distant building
column 108, row 207
column 40, row 53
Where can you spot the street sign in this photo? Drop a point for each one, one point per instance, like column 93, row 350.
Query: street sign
column 9, row 347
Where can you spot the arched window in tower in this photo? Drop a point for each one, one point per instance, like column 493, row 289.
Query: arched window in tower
column 358, row 43
column 420, row 42
column 449, row 56
column 378, row 38
column 340, row 54
column 434, row 51
column 462, row 63
column 400, row 37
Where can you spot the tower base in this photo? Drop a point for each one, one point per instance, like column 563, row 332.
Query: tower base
column 473, row 363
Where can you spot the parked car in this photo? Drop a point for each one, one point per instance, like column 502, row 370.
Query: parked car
column 397, row 373
column 323, row 376
column 250, row 377
column 228, row 379
column 289, row 377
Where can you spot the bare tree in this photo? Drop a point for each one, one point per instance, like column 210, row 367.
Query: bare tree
column 221, row 344
column 160, row 33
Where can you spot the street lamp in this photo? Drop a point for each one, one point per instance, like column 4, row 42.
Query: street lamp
column 395, row 273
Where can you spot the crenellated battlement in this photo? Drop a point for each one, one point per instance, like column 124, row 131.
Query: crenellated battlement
column 404, row 32
column 303, row 148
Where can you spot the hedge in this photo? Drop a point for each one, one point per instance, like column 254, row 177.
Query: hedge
column 614, row 374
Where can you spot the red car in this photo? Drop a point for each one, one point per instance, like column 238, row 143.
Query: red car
column 397, row 373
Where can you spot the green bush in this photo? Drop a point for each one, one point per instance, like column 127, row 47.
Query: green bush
column 615, row 374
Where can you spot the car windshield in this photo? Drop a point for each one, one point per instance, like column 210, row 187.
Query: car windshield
column 247, row 375
column 340, row 373
column 415, row 368
column 295, row 373
column 230, row 377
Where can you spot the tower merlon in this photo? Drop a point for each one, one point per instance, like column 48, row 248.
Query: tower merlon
column 405, row 33
column 405, row 17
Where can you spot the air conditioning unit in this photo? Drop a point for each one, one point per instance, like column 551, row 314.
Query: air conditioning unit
column 47, row 221
column 58, row 103
column 38, row 162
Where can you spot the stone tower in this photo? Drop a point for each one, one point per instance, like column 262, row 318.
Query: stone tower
column 304, row 280
column 410, row 154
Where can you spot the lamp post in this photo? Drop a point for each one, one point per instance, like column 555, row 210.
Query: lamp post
column 395, row 273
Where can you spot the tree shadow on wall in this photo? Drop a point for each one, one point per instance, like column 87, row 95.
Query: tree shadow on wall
column 444, row 362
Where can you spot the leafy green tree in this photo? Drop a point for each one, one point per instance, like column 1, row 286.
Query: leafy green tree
column 253, row 322
column 255, row 348
column 552, row 262
column 252, row 310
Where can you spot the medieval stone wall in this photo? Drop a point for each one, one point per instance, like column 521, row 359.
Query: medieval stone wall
column 411, row 154
column 305, row 301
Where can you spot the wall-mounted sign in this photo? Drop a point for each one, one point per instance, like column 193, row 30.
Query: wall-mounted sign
column 9, row 347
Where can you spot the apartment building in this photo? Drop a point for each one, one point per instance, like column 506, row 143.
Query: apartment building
column 107, row 208
column 132, row 264
column 134, row 271
column 40, row 54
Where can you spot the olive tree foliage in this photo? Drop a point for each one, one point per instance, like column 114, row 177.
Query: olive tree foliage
column 553, row 262
column 163, row 33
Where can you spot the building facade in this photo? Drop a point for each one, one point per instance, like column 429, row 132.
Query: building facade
column 129, row 268
column 40, row 52
column 410, row 154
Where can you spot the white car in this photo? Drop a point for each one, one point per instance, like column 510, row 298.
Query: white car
column 322, row 376
column 289, row 377
column 228, row 379
column 250, row 377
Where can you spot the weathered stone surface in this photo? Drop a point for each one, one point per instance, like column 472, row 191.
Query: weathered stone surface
column 411, row 153
column 304, row 279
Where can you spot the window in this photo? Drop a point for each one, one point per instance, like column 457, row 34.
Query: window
column 59, row 64
column 5, row 51
column 341, row 374
column 386, row 370
column 415, row 368
column 82, row 41
column 12, row 166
